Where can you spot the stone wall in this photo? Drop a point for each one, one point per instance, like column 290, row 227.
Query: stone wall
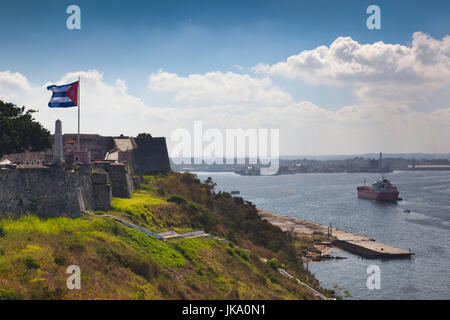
column 150, row 156
column 101, row 189
column 120, row 177
column 66, row 190
column 63, row 190
column 121, row 180
column 45, row 191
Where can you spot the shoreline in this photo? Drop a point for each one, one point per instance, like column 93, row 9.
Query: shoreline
column 357, row 244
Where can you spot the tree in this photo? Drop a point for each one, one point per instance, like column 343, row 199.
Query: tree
column 144, row 135
column 210, row 184
column 19, row 131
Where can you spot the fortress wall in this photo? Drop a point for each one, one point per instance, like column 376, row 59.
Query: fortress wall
column 150, row 156
column 101, row 189
column 45, row 191
column 120, row 176
column 121, row 180
column 61, row 190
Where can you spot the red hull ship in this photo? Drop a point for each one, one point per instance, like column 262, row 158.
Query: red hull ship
column 381, row 190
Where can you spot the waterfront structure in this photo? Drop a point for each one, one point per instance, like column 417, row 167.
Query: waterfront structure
column 429, row 167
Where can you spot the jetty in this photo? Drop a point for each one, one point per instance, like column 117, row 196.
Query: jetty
column 361, row 245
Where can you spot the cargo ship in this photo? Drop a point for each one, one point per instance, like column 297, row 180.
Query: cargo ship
column 380, row 190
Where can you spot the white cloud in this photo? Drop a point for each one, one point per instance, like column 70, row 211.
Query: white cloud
column 231, row 100
column 377, row 71
column 105, row 109
column 12, row 83
column 219, row 88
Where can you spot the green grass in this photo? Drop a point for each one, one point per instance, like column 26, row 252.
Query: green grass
column 10, row 294
column 193, row 249
column 151, row 247
column 140, row 206
column 122, row 263
column 37, row 226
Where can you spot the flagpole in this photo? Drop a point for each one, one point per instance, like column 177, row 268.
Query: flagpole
column 78, row 103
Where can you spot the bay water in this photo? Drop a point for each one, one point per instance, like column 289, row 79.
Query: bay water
column 421, row 222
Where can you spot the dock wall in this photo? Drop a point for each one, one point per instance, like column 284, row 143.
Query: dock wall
column 349, row 241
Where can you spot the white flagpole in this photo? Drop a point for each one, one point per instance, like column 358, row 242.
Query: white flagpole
column 78, row 103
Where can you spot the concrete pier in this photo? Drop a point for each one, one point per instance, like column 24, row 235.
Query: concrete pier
column 352, row 242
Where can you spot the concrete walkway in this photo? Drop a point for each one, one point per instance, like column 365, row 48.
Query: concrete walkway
column 352, row 242
column 160, row 236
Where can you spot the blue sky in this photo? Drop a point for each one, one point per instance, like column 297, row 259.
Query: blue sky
column 131, row 40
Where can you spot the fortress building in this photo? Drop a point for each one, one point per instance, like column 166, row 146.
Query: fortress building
column 148, row 155
column 65, row 180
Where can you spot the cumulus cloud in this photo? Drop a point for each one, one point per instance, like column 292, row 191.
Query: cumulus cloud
column 231, row 100
column 105, row 109
column 12, row 83
column 305, row 128
column 376, row 71
column 219, row 88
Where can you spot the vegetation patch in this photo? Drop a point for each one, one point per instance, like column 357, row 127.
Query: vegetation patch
column 119, row 262
column 158, row 250
column 10, row 294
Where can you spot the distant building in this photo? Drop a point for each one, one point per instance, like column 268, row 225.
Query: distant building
column 123, row 147
column 148, row 155
column 29, row 158
column 429, row 167
column 93, row 147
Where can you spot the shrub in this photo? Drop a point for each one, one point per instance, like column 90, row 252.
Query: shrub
column 273, row 263
column 199, row 271
column 2, row 232
column 30, row 263
column 59, row 258
column 10, row 294
column 176, row 199
column 141, row 267
column 44, row 293
column 242, row 254
column 75, row 245
column 115, row 229
column 272, row 278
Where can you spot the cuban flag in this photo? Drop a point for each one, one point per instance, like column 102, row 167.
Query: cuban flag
column 64, row 96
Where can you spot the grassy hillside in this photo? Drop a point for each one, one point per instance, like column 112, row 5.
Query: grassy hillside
column 121, row 263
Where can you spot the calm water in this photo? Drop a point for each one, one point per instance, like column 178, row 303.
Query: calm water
column 331, row 198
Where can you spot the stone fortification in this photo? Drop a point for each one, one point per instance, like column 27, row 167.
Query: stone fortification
column 63, row 190
column 150, row 156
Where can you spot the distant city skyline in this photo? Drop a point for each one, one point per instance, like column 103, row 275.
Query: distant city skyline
column 313, row 70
